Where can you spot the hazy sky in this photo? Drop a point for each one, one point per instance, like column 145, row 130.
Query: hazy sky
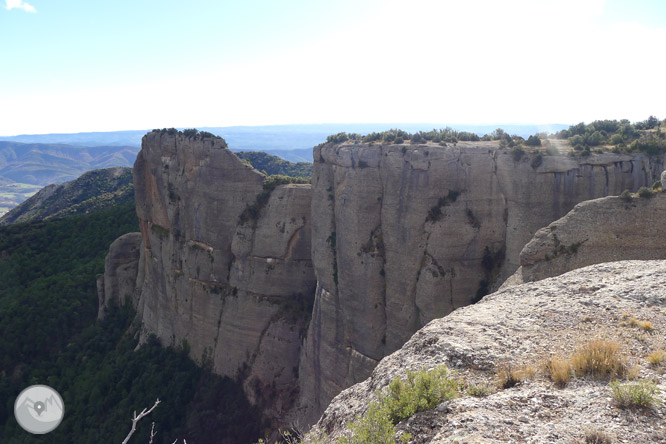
column 68, row 66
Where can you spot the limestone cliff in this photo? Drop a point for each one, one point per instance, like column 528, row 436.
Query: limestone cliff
column 225, row 282
column 396, row 235
column 596, row 231
column 406, row 234
column 523, row 326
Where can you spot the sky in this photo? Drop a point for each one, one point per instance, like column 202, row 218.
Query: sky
column 75, row 66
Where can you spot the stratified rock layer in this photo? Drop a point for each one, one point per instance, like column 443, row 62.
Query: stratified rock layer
column 522, row 326
column 229, row 288
column 406, row 234
column 596, row 231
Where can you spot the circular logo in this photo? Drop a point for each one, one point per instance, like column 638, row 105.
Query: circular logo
column 39, row 409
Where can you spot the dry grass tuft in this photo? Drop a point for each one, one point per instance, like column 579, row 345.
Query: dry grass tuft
column 633, row 322
column 594, row 436
column 599, row 359
column 657, row 357
column 558, row 370
column 509, row 376
column 643, row 325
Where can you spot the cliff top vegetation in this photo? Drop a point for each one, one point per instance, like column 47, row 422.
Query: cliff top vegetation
column 190, row 133
column 648, row 136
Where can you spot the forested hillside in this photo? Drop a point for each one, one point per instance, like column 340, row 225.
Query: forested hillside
column 49, row 335
column 272, row 165
column 92, row 191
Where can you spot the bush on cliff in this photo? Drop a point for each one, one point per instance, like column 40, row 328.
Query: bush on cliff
column 419, row 391
column 252, row 212
column 645, row 192
column 645, row 136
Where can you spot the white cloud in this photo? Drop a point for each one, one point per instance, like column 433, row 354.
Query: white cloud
column 19, row 4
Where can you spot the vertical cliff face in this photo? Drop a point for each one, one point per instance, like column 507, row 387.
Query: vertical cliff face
column 396, row 236
column 406, row 234
column 213, row 277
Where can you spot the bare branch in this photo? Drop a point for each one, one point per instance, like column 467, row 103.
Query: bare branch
column 137, row 418
column 152, row 433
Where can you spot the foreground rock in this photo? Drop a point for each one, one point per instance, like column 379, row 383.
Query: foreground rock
column 596, row 231
column 524, row 325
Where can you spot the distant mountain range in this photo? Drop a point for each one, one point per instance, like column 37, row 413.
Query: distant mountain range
column 43, row 164
column 274, row 137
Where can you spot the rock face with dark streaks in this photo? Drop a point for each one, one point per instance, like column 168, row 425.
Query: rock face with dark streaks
column 387, row 238
column 403, row 235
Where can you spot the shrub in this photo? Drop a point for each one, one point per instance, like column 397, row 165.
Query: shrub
column 374, row 427
column 626, row 196
column 599, row 359
column 251, row 212
column 558, row 370
column 657, row 357
column 537, row 160
column 478, row 390
column 656, row 185
column 517, row 154
column 634, row 394
column 645, row 192
column 159, row 230
column 533, row 141
column 552, row 150
column 422, row 390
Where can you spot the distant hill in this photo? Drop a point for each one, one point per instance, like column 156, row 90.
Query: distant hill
column 43, row 164
column 92, row 191
column 27, row 167
column 103, row 188
column 275, row 165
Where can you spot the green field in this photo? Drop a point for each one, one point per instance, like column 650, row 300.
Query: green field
column 14, row 193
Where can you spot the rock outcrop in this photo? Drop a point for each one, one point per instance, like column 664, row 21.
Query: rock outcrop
column 118, row 283
column 224, row 268
column 92, row 191
column 524, row 325
column 406, row 234
column 596, row 231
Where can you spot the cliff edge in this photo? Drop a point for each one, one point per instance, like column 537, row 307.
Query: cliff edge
column 522, row 326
